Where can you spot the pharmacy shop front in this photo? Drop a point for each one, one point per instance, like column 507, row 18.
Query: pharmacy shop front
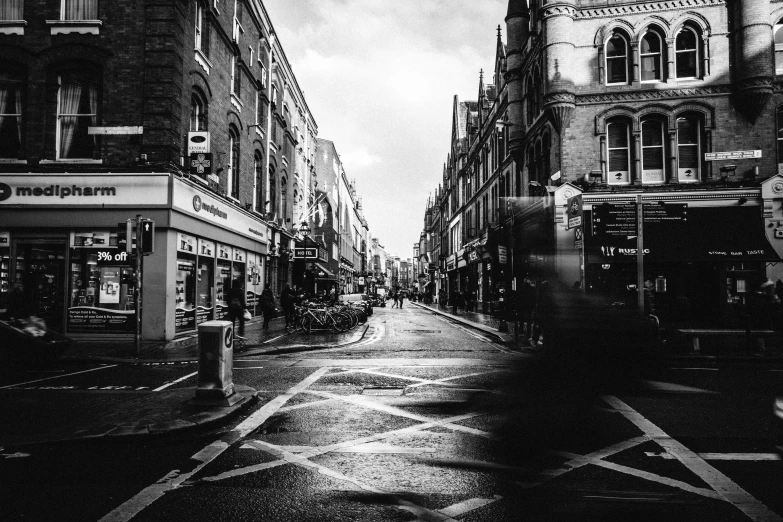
column 58, row 237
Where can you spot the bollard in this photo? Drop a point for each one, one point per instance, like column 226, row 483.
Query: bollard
column 216, row 364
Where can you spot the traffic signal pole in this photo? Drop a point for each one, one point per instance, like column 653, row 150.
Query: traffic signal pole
column 137, row 285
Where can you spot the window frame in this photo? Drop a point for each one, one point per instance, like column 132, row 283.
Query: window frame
column 697, row 53
column 15, row 77
column 627, row 148
column 662, row 148
column 63, row 10
column 61, row 115
column 659, row 54
column 698, row 145
column 232, row 177
column 624, row 57
column 19, row 18
column 198, row 102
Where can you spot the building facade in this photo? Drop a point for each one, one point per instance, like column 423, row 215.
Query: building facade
column 663, row 117
column 186, row 113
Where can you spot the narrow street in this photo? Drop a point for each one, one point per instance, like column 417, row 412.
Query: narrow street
column 422, row 419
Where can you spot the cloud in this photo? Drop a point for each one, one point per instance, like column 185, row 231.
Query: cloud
column 379, row 77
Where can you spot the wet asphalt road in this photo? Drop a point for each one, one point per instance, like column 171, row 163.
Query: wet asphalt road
column 425, row 420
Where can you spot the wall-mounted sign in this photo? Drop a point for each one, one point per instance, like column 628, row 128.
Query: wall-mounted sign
column 201, row 164
column 115, row 130
column 84, row 190
column 198, row 143
column 5, row 238
column 305, row 253
column 574, row 212
column 730, row 155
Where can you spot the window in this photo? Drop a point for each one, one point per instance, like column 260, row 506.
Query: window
column 10, row 115
column 79, row 10
column 652, row 152
column 779, row 119
column 616, row 59
column 258, row 169
column 618, row 152
column 198, row 113
column 238, row 30
column 688, row 144
column 283, row 198
column 199, row 25
column 236, row 77
column 531, row 165
column 272, row 202
column 687, row 52
column 233, row 167
column 12, row 10
column 651, row 57
column 77, row 110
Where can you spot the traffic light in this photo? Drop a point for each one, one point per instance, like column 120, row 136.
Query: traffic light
column 125, row 231
column 147, row 243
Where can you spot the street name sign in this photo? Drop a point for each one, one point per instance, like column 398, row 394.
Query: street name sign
column 731, row 155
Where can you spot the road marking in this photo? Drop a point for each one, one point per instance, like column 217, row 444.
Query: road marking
column 305, row 405
column 273, row 339
column 316, row 451
column 172, row 480
column 721, row 456
column 704, row 369
column 172, row 383
column 723, row 485
column 461, row 508
column 59, row 376
column 672, row 387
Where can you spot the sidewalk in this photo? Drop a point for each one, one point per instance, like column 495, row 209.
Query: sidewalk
column 32, row 416
column 483, row 322
column 723, row 351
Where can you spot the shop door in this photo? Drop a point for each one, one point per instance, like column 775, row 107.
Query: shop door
column 41, row 268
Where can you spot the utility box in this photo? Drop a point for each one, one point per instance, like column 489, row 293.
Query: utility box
column 215, row 362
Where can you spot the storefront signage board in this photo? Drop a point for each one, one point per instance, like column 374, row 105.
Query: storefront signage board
column 205, row 207
column 305, row 253
column 502, row 255
column 84, row 190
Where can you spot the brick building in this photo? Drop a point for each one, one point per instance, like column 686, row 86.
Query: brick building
column 101, row 104
column 669, row 111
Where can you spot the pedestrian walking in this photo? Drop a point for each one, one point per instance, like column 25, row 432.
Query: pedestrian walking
column 454, row 301
column 267, row 305
column 402, row 297
column 461, row 301
column 236, row 307
column 287, row 299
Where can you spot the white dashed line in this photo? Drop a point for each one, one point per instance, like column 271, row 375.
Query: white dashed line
column 58, row 376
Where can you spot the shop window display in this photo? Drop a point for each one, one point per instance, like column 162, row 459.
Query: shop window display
column 101, row 293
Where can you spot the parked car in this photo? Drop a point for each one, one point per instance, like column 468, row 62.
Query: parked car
column 360, row 299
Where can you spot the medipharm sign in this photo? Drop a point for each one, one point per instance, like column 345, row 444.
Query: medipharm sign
column 75, row 190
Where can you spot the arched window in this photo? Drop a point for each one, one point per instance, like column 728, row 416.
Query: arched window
column 546, row 147
column 530, row 100
column 77, row 110
column 531, row 165
column 651, row 56
column 296, row 205
column 271, row 204
column 258, row 169
column 198, row 112
column 283, row 197
column 688, row 148
column 617, row 59
column 540, row 174
column 777, row 31
column 618, row 152
column 11, row 90
column 653, row 151
column 233, row 167
column 686, row 48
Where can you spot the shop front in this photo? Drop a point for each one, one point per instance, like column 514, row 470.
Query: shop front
column 59, row 238
column 702, row 257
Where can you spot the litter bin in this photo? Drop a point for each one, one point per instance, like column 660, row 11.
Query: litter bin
column 216, row 361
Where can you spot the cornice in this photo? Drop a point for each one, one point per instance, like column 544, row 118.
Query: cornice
column 648, row 7
column 668, row 94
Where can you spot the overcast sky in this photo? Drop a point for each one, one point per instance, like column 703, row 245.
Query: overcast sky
column 379, row 77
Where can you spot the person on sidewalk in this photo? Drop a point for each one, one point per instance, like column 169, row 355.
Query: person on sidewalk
column 402, row 297
column 461, row 302
column 394, row 298
column 287, row 299
column 454, row 301
column 267, row 305
column 236, row 307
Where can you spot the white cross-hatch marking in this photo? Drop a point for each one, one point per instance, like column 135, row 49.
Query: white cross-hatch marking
column 174, row 479
column 59, row 376
column 321, row 450
column 723, row 485
column 722, row 456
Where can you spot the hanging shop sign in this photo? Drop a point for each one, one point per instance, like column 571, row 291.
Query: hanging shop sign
column 84, row 190
column 502, row 255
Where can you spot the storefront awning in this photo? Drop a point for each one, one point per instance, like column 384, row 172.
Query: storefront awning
column 705, row 233
column 322, row 268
